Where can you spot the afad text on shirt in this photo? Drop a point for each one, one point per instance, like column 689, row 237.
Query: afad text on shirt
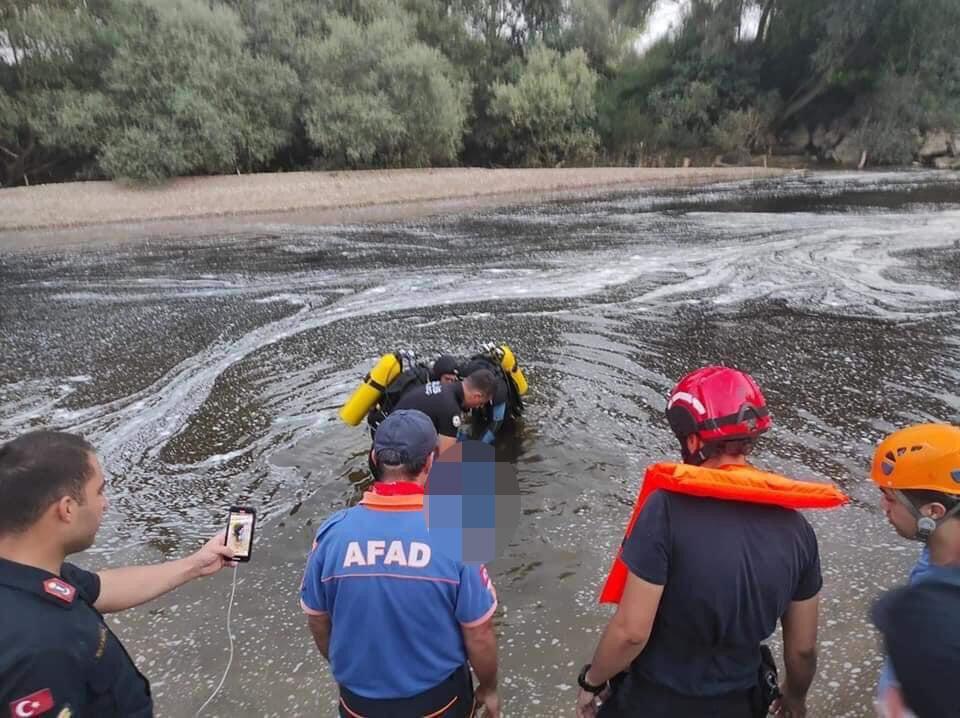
column 417, row 555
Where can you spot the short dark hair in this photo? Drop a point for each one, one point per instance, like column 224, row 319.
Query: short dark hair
column 392, row 461
column 38, row 469
column 921, row 497
column 484, row 381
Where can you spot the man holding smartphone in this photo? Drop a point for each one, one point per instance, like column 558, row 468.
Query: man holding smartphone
column 58, row 657
column 397, row 619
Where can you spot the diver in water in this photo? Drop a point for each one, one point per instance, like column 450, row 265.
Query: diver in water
column 481, row 423
column 446, row 370
column 487, row 421
column 445, row 404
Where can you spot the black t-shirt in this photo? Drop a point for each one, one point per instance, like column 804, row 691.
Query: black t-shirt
column 56, row 652
column 729, row 570
column 443, row 403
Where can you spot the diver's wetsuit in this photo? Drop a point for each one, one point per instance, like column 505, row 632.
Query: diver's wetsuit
column 501, row 398
column 408, row 380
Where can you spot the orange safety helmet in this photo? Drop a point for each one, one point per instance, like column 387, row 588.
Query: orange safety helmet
column 923, row 457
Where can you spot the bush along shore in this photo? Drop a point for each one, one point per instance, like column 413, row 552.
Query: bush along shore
column 843, row 144
column 145, row 90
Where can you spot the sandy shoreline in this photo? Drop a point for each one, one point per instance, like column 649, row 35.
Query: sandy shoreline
column 79, row 212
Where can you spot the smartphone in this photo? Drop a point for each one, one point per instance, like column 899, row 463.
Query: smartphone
column 240, row 525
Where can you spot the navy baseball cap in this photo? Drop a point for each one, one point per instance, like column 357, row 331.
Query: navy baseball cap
column 921, row 631
column 407, row 434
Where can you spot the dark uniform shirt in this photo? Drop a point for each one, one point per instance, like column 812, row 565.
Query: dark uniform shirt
column 730, row 570
column 57, row 656
column 443, row 403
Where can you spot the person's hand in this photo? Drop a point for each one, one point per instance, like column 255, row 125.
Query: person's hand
column 788, row 705
column 488, row 701
column 212, row 557
column 589, row 703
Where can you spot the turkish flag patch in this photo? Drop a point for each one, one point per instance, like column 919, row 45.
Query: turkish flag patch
column 34, row 704
column 60, row 589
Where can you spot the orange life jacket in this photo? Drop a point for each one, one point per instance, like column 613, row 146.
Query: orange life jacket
column 728, row 483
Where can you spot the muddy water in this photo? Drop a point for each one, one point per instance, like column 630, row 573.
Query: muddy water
column 208, row 370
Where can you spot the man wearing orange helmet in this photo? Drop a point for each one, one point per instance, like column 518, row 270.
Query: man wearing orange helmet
column 714, row 555
column 918, row 472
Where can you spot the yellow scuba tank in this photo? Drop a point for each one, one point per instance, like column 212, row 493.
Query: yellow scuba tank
column 369, row 392
column 508, row 362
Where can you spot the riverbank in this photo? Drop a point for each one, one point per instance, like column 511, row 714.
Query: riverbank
column 77, row 212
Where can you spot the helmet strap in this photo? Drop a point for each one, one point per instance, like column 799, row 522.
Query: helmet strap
column 925, row 525
column 696, row 458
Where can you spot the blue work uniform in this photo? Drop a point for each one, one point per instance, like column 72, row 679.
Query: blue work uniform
column 397, row 604
column 57, row 656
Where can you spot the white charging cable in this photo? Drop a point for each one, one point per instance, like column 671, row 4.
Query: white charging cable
column 233, row 592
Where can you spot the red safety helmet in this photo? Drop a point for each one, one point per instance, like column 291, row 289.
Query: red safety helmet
column 717, row 404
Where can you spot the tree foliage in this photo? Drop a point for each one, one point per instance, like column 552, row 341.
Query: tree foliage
column 148, row 89
column 809, row 63
column 210, row 106
column 547, row 114
column 53, row 53
column 377, row 96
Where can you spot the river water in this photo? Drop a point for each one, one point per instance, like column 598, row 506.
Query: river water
column 208, row 370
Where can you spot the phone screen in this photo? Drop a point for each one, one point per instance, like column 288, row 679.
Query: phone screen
column 240, row 532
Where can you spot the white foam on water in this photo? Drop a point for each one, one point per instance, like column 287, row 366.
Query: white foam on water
column 821, row 262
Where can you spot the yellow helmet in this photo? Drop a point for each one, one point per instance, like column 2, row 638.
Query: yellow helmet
column 922, row 457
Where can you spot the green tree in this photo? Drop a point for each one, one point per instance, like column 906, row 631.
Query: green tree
column 377, row 96
column 833, row 53
column 278, row 28
column 547, row 115
column 592, row 26
column 185, row 96
column 51, row 56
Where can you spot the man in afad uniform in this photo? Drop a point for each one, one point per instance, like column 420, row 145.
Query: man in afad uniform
column 397, row 619
column 716, row 555
column 445, row 403
column 58, row 658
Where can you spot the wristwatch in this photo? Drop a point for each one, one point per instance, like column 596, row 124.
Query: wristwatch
column 589, row 688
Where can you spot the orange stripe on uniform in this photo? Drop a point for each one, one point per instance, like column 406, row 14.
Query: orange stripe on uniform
column 401, row 502
column 435, row 714
column 443, row 710
column 348, row 710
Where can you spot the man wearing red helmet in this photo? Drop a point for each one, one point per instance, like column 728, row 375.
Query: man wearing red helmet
column 715, row 553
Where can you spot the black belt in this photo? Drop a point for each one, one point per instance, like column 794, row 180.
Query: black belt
column 453, row 698
column 634, row 695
